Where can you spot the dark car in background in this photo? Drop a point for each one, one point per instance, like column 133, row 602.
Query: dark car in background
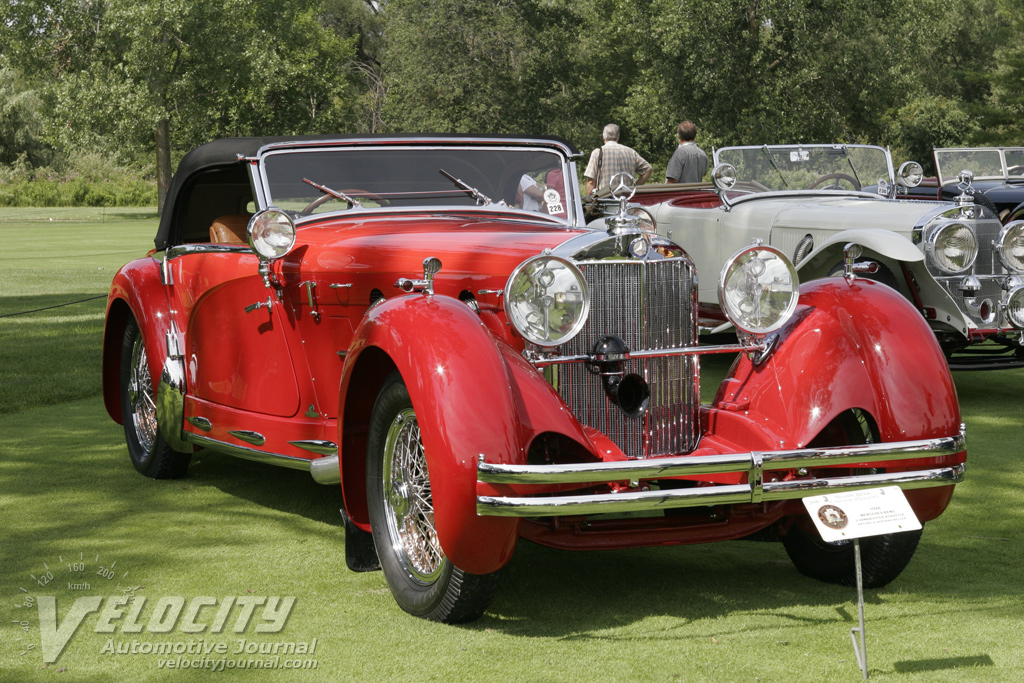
column 996, row 181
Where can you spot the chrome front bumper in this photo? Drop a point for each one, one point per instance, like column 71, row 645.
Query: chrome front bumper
column 754, row 464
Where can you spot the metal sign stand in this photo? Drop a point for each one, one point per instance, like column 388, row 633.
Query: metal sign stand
column 852, row 515
column 859, row 651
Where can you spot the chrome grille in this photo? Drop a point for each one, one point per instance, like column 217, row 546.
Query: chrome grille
column 650, row 306
column 987, row 262
column 990, row 272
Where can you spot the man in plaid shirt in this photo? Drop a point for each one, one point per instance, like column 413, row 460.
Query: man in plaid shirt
column 614, row 158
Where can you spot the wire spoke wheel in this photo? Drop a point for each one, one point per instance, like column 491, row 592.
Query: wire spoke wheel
column 400, row 501
column 149, row 452
column 409, row 505
column 140, row 397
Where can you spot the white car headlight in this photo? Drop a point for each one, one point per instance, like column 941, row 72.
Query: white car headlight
column 952, row 247
column 1011, row 246
column 758, row 289
column 910, row 174
column 271, row 233
column 1015, row 307
column 724, row 176
column 547, row 300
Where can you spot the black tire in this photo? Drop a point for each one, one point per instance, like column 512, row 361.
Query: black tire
column 1015, row 215
column 422, row 580
column 882, row 558
column 149, row 453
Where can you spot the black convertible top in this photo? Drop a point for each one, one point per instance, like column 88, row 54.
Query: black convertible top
column 217, row 163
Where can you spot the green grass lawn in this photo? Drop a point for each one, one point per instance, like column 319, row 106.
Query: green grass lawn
column 72, row 507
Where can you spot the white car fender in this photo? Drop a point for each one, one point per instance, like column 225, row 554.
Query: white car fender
column 894, row 248
column 883, row 242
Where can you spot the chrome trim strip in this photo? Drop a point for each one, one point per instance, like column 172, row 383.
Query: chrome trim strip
column 428, row 141
column 183, row 249
column 317, row 446
column 255, row 438
column 688, row 465
column 325, row 470
column 166, row 276
column 200, row 423
column 542, row 361
column 175, row 342
column 634, row 501
column 170, row 404
column 249, row 453
column 399, row 143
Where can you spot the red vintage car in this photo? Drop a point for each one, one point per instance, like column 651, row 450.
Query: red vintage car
column 428, row 322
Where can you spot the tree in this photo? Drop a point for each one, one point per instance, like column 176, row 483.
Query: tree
column 125, row 70
column 21, row 124
column 502, row 67
column 1002, row 114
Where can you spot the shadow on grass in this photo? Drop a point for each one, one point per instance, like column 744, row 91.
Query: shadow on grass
column 66, row 484
column 917, row 666
column 286, row 490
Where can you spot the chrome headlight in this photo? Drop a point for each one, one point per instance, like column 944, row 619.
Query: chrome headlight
column 952, row 247
column 758, row 289
column 910, row 174
column 724, row 176
column 1015, row 307
column 547, row 300
column 271, row 233
column 644, row 219
column 1011, row 246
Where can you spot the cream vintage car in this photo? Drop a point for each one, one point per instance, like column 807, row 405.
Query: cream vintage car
column 955, row 261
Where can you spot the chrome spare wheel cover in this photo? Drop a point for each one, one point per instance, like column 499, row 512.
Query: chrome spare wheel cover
column 140, row 397
column 409, row 507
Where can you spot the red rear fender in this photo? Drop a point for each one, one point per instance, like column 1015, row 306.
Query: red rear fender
column 137, row 291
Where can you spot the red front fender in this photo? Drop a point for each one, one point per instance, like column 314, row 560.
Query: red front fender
column 473, row 396
column 859, row 345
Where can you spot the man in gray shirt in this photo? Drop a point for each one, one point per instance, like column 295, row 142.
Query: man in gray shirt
column 612, row 159
column 689, row 163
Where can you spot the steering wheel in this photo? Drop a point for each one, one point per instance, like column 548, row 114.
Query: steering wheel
column 1015, row 170
column 354, row 193
column 837, row 177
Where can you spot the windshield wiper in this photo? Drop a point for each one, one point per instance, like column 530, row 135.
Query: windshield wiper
column 480, row 197
column 334, row 193
column 849, row 160
column 767, row 152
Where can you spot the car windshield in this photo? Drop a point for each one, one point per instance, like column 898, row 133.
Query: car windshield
column 986, row 163
column 317, row 180
column 772, row 168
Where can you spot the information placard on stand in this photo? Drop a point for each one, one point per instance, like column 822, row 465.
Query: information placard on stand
column 852, row 515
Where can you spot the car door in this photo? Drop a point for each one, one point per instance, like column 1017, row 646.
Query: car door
column 236, row 347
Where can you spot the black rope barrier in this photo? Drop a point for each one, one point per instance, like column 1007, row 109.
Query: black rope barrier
column 47, row 308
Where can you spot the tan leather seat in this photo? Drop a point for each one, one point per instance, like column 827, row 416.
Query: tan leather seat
column 230, row 229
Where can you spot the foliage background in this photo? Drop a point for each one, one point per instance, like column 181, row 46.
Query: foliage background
column 131, row 85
